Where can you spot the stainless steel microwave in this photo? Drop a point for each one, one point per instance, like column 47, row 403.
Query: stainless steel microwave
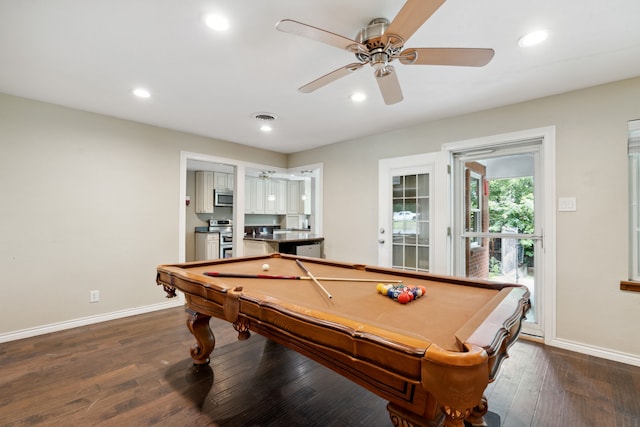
column 222, row 198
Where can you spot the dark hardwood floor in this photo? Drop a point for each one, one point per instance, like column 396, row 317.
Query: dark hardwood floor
column 137, row 372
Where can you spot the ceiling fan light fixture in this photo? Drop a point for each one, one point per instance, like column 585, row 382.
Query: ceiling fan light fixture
column 533, row 38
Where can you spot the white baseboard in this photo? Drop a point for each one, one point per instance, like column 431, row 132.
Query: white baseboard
column 60, row 326
column 605, row 353
column 578, row 347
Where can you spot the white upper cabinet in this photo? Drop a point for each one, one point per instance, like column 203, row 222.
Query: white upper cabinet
column 293, row 197
column 204, row 192
column 275, row 197
column 254, row 190
column 223, row 181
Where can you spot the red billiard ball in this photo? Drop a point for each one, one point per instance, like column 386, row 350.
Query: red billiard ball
column 404, row 298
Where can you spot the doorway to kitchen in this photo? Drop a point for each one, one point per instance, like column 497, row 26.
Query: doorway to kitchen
column 503, row 215
column 239, row 171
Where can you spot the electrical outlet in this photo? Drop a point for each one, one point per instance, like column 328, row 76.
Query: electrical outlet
column 94, row 296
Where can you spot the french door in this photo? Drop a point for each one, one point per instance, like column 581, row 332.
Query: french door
column 409, row 227
column 498, row 218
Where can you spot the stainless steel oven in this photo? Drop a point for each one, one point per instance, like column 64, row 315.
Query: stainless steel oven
column 225, row 228
column 226, row 243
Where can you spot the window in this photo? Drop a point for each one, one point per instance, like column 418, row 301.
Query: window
column 634, row 199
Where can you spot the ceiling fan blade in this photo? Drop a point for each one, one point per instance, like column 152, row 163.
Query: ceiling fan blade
column 413, row 14
column 298, row 28
column 331, row 77
column 469, row 57
column 389, row 85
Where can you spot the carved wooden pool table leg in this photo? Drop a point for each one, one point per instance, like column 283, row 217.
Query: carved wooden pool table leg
column 449, row 417
column 476, row 417
column 402, row 418
column 454, row 417
column 198, row 324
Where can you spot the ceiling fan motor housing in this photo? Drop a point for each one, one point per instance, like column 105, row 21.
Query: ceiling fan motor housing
column 379, row 49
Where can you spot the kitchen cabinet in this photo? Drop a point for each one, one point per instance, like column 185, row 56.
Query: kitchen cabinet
column 254, row 192
column 207, row 246
column 204, row 192
column 223, row 181
column 275, row 196
column 299, row 197
column 293, row 197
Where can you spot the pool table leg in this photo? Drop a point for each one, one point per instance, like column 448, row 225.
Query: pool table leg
column 198, row 324
column 449, row 417
column 476, row 417
column 403, row 418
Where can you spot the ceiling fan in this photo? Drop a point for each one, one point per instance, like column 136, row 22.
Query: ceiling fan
column 382, row 42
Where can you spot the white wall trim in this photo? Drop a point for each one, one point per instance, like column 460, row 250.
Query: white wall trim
column 604, row 353
column 84, row 321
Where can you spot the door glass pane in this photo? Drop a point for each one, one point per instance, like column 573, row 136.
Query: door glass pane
column 512, row 260
column 423, row 258
column 507, row 260
column 409, row 257
column 499, row 198
column 411, row 222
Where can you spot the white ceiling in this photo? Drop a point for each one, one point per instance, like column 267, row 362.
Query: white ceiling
column 89, row 54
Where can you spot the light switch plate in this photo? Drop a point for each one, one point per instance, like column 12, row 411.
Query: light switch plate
column 567, row 204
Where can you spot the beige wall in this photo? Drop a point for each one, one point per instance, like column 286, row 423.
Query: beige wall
column 88, row 202
column 591, row 164
column 91, row 202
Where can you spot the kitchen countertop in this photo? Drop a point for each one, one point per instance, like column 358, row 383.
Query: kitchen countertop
column 286, row 237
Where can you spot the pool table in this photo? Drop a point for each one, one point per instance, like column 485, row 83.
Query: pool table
column 431, row 358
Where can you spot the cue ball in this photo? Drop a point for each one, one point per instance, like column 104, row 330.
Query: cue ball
column 265, row 267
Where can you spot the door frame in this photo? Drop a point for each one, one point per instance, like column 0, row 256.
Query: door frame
column 547, row 134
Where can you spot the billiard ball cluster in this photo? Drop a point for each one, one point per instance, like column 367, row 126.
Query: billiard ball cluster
column 401, row 293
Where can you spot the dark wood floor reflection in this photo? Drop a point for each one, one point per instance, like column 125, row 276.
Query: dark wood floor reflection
column 137, row 372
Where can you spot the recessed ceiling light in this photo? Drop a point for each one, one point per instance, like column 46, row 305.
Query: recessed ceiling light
column 533, row 38
column 217, row 22
column 358, row 97
column 141, row 92
column 266, row 128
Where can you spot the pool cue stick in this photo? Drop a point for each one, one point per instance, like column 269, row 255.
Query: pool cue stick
column 313, row 278
column 275, row 276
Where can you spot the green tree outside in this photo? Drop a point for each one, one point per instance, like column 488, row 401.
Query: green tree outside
column 511, row 204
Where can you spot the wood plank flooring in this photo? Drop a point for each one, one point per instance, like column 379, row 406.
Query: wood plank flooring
column 137, row 372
